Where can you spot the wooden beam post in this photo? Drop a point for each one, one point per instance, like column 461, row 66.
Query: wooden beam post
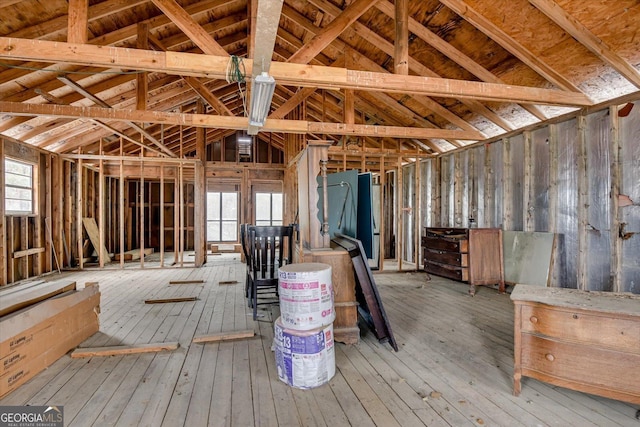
column 161, row 216
column 583, row 204
column 553, row 192
column 400, row 212
column 528, row 201
column 101, row 208
column 615, row 174
column 200, row 194
column 507, row 186
column 141, row 204
column 401, row 46
column 142, row 83
column 78, row 19
column 121, row 206
column 79, row 212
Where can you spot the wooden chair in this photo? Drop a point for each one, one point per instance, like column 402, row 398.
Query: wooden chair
column 270, row 248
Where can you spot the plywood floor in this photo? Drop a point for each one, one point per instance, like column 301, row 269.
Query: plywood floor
column 453, row 369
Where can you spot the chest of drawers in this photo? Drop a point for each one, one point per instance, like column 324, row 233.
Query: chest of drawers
column 585, row 341
column 472, row 255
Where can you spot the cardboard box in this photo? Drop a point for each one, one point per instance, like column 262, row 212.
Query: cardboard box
column 35, row 337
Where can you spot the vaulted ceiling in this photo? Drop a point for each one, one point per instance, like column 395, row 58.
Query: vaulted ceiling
column 424, row 76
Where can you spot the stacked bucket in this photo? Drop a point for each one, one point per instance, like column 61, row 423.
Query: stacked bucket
column 303, row 339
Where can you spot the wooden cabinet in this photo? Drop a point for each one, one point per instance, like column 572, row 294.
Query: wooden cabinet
column 471, row 255
column 585, row 341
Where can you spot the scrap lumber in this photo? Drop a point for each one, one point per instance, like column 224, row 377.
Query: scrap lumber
column 168, row 300
column 15, row 298
column 27, row 252
column 118, row 350
column 224, row 336
column 227, row 282
column 134, row 254
column 94, row 235
column 185, row 282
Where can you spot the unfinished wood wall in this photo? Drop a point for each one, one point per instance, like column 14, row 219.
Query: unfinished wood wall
column 26, row 249
column 579, row 178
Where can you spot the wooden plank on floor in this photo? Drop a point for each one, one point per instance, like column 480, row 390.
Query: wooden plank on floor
column 169, row 300
column 119, row 350
column 225, row 336
column 185, row 282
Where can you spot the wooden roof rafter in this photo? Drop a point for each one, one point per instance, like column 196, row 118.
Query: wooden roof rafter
column 588, row 39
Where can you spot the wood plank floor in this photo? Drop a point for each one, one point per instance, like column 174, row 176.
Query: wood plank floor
column 454, row 366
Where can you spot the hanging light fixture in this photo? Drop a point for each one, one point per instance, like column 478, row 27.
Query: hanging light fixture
column 262, row 87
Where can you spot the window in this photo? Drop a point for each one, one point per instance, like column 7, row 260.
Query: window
column 222, row 217
column 268, row 208
column 18, row 191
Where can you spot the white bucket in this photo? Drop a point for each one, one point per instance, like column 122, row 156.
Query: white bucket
column 306, row 295
column 304, row 359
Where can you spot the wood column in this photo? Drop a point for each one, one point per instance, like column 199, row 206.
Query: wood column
column 614, row 168
column 507, row 186
column 3, row 227
column 527, row 186
column 583, row 204
column 200, row 193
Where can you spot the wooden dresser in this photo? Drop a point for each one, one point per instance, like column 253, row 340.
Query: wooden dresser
column 585, row 341
column 472, row 255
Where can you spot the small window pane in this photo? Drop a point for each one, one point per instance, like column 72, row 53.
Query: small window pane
column 18, row 187
column 229, row 206
column 263, row 207
column 13, row 205
column 229, row 231
column 18, row 180
column 213, row 231
column 213, row 205
column 277, row 207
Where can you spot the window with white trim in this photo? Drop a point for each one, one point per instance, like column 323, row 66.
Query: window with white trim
column 18, row 187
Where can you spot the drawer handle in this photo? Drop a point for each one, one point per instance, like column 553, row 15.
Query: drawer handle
column 550, row 357
column 533, row 319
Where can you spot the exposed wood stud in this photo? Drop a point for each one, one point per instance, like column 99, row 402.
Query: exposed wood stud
column 528, row 203
column 583, row 204
column 507, row 185
column 614, row 167
column 142, row 82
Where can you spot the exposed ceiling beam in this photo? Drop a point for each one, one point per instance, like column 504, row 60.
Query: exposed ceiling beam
column 589, row 40
column 286, row 73
column 55, row 100
column 78, row 88
column 210, row 121
column 267, row 23
column 77, row 31
column 507, row 42
column 199, row 87
column 329, row 33
column 452, row 53
column 190, row 27
column 414, row 65
column 401, row 42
